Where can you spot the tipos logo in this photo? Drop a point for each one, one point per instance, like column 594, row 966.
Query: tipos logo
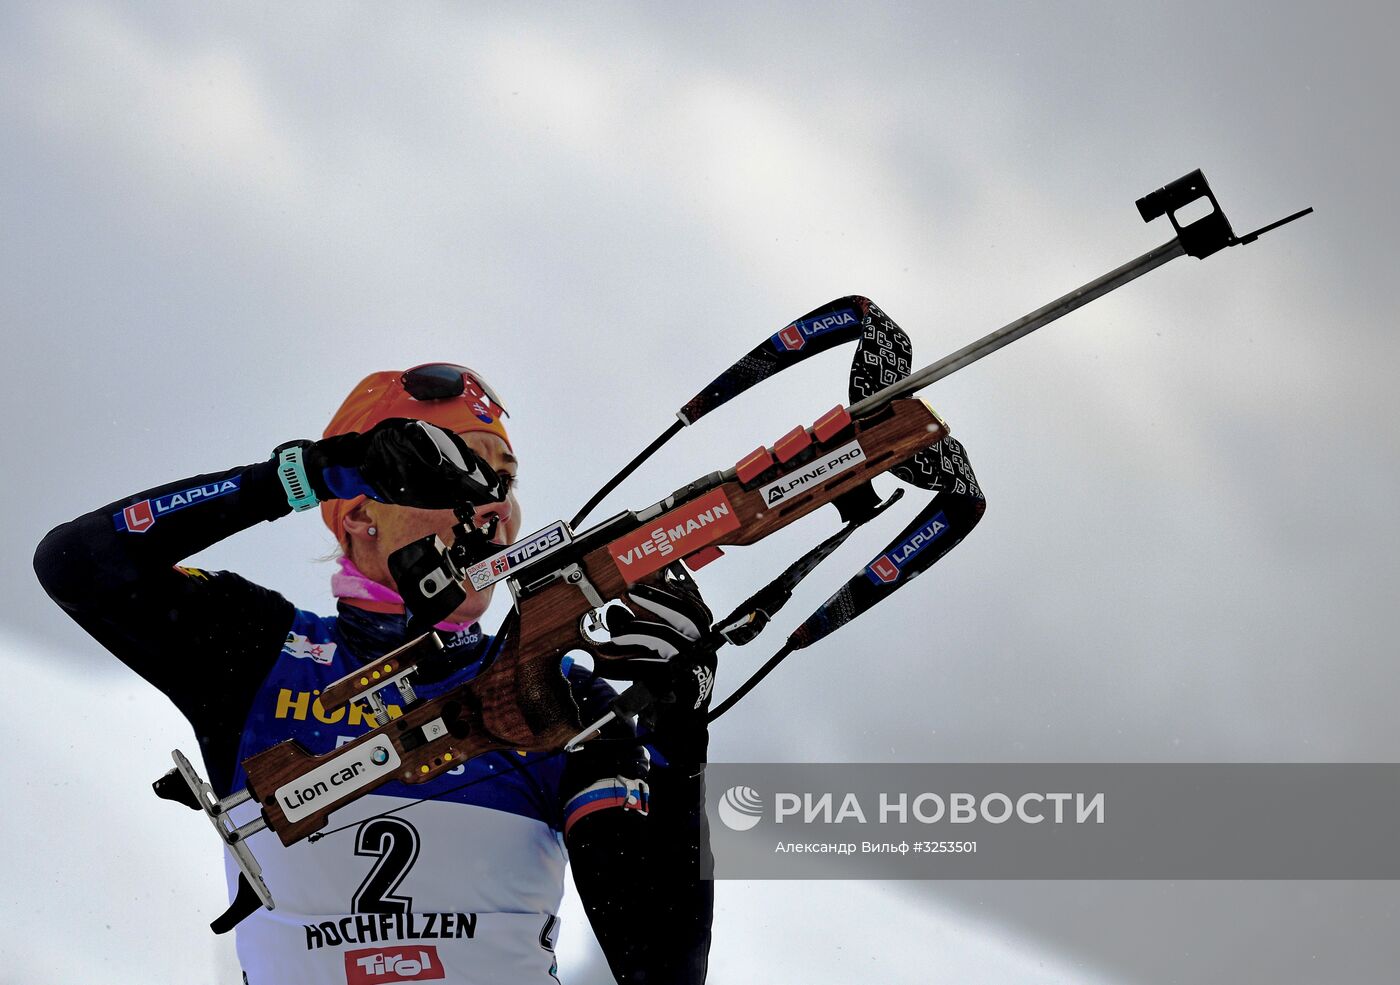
column 740, row 808
column 496, row 567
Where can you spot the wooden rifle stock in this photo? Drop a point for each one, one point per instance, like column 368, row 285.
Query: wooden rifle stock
column 521, row 701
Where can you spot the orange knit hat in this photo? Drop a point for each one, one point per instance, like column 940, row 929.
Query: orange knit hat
column 383, row 395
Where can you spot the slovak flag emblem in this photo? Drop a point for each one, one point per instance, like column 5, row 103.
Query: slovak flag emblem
column 479, row 402
column 791, row 337
column 884, row 569
column 138, row 517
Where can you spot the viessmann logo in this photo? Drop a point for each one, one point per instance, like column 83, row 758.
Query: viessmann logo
column 815, row 473
column 888, row 566
column 383, row 966
column 795, row 336
column 496, row 567
column 674, row 535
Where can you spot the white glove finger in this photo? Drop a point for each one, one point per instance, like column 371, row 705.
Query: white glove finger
column 662, row 643
column 667, row 607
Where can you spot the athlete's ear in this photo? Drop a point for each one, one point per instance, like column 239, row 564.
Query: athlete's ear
column 357, row 520
column 358, row 528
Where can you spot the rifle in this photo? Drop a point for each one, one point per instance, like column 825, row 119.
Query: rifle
column 563, row 578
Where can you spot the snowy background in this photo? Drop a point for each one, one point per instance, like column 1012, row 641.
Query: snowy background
column 214, row 219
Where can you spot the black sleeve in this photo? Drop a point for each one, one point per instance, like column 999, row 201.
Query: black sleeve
column 206, row 639
column 639, row 876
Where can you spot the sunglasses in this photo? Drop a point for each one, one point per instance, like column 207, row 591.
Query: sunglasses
column 441, row 381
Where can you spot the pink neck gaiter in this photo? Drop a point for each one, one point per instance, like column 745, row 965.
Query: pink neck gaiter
column 352, row 583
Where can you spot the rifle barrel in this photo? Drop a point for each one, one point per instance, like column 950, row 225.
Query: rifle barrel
column 1022, row 326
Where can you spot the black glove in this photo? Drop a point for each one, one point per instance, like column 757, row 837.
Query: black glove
column 405, row 463
column 662, row 645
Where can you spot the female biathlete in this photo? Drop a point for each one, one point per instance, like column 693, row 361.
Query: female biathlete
column 465, row 887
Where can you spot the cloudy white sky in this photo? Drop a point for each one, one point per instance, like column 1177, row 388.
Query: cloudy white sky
column 216, row 218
